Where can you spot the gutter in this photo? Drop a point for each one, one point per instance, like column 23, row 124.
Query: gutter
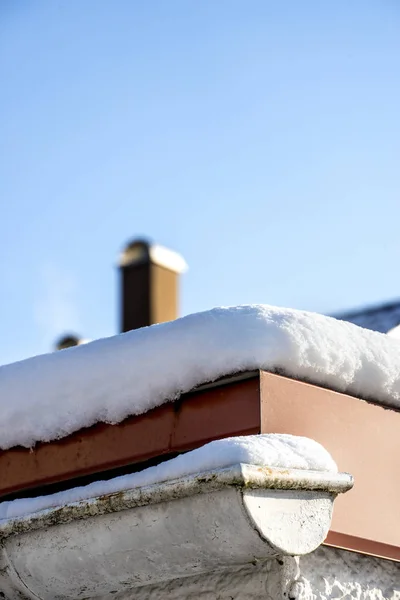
column 217, row 520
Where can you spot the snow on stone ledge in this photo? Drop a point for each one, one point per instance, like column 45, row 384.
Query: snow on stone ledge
column 49, row 397
column 272, row 450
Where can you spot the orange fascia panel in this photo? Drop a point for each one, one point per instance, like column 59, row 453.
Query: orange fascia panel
column 197, row 418
column 364, row 440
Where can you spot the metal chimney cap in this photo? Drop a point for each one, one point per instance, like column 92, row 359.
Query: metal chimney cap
column 140, row 250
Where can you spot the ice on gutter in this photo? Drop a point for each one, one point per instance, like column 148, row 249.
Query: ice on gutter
column 272, row 450
column 51, row 396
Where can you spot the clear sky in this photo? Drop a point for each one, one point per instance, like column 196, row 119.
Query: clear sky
column 260, row 139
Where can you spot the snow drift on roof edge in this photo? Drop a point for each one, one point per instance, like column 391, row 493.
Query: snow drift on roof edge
column 50, row 396
column 272, row 450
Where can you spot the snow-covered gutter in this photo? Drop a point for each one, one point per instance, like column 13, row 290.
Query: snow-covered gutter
column 214, row 520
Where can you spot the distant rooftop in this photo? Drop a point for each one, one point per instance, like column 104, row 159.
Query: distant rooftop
column 381, row 317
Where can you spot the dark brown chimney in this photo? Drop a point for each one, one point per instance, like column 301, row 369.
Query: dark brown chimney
column 149, row 284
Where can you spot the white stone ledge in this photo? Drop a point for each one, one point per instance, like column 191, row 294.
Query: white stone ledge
column 201, row 524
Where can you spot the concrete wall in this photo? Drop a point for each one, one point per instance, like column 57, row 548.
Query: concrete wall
column 326, row 574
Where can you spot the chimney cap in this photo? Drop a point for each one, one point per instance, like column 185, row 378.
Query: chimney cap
column 69, row 340
column 140, row 250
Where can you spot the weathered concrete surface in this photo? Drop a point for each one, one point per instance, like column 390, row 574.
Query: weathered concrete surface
column 330, row 573
column 333, row 573
column 326, row 574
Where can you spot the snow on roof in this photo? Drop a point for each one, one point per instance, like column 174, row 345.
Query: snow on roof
column 48, row 397
column 272, row 450
column 395, row 332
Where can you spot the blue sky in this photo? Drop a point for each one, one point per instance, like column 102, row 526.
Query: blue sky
column 260, row 139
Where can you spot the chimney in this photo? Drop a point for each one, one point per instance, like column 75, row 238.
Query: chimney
column 68, row 341
column 149, row 284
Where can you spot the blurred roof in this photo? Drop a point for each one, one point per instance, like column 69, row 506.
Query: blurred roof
column 381, row 317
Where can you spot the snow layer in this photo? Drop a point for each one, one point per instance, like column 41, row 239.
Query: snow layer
column 395, row 332
column 272, row 450
column 51, row 396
